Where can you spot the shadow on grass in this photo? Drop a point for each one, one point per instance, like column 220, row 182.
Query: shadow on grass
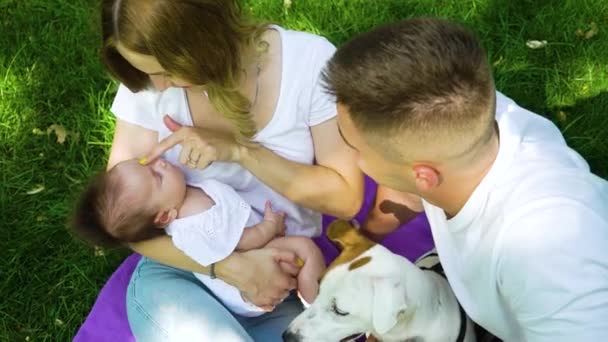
column 586, row 129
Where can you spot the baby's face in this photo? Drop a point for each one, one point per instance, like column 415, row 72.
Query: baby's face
column 157, row 185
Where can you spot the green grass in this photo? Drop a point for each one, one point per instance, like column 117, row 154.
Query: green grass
column 50, row 74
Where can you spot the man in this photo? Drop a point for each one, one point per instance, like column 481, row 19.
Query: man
column 519, row 222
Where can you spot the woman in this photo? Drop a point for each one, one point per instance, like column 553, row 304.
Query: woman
column 245, row 105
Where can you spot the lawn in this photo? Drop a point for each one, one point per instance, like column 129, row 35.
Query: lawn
column 56, row 128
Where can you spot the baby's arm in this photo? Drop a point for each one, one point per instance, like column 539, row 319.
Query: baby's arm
column 314, row 263
column 257, row 236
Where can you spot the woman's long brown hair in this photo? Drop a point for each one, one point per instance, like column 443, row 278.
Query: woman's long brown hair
column 201, row 41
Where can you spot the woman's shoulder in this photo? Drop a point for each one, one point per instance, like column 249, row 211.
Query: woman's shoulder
column 297, row 44
column 146, row 108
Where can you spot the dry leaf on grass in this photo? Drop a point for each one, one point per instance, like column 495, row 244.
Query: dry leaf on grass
column 286, row 4
column 536, row 44
column 37, row 189
column 498, row 61
column 99, row 251
column 60, row 132
column 562, row 116
column 592, row 32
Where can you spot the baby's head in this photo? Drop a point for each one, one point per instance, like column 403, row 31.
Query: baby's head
column 131, row 202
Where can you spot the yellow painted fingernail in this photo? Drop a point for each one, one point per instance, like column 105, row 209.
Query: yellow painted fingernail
column 143, row 161
column 300, row 262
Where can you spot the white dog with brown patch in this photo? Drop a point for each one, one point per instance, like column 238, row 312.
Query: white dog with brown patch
column 368, row 289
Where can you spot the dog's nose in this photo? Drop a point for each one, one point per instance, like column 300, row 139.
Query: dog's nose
column 288, row 336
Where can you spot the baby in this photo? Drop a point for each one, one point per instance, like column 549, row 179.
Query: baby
column 207, row 221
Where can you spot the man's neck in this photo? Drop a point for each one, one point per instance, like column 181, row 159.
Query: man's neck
column 459, row 184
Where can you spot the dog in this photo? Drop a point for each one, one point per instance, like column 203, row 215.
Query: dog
column 368, row 289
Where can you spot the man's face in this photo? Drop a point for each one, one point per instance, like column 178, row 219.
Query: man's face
column 393, row 174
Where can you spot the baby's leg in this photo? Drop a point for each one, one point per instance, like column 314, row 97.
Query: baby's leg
column 313, row 263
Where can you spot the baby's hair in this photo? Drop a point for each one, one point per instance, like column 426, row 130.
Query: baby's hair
column 103, row 219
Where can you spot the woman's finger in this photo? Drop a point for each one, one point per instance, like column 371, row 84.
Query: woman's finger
column 208, row 156
column 184, row 154
column 171, row 124
column 164, row 145
column 193, row 157
column 267, row 308
column 203, row 162
column 286, row 256
column 280, row 299
column 289, row 268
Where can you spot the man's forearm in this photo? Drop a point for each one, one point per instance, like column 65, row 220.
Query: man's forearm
column 312, row 186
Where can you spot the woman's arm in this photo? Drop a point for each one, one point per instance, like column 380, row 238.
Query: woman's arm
column 333, row 186
column 258, row 273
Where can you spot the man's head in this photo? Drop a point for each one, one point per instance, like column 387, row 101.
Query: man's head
column 130, row 202
column 413, row 97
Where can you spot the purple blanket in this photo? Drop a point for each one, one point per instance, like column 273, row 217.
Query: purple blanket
column 107, row 320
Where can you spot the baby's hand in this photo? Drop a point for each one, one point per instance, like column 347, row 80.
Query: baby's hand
column 276, row 218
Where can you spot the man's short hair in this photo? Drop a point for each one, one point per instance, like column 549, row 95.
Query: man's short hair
column 426, row 77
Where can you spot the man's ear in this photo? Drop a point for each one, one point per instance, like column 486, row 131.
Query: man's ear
column 388, row 303
column 164, row 217
column 426, row 177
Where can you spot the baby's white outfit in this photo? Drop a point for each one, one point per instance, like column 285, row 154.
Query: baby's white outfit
column 209, row 236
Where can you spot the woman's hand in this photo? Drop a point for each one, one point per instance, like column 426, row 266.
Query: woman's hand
column 200, row 146
column 264, row 276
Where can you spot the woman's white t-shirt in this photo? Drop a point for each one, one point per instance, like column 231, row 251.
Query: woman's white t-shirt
column 302, row 103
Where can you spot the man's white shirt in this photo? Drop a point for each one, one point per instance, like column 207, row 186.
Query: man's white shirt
column 527, row 256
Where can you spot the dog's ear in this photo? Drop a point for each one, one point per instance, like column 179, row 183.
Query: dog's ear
column 387, row 309
column 338, row 231
column 344, row 234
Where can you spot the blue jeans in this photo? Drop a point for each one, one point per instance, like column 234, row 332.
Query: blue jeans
column 168, row 304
